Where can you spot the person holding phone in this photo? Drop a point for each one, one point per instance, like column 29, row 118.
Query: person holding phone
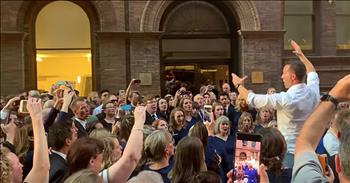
column 294, row 105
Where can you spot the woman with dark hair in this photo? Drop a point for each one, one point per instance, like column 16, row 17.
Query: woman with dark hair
column 189, row 160
column 273, row 149
column 177, row 124
column 163, row 109
column 86, row 152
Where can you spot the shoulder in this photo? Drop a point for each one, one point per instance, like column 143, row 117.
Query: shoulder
column 306, row 166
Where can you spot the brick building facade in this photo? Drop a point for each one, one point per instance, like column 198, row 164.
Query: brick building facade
column 126, row 39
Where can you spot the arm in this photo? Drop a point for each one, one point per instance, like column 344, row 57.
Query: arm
column 317, row 122
column 41, row 164
column 127, row 92
column 297, row 51
column 5, row 110
column 122, row 169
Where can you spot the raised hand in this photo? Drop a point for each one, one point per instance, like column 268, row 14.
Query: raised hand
column 34, row 108
column 140, row 114
column 236, row 80
column 297, row 50
column 210, row 124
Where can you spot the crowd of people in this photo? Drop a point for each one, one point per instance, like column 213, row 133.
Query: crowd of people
column 59, row 136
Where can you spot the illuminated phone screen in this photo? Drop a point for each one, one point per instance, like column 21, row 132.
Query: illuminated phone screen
column 247, row 158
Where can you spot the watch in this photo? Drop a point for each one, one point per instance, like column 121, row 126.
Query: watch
column 330, row 98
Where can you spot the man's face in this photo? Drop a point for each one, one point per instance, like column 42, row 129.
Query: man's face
column 82, row 110
column 104, row 96
column 226, row 88
column 287, row 77
column 199, row 99
column 151, row 106
column 224, row 100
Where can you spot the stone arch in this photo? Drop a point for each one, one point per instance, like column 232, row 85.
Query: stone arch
column 244, row 12
column 101, row 17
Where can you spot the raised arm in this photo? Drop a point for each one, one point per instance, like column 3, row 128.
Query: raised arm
column 122, row 169
column 297, row 51
column 317, row 122
column 41, row 164
column 128, row 89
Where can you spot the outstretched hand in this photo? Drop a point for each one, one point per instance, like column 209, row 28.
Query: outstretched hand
column 210, row 124
column 236, row 80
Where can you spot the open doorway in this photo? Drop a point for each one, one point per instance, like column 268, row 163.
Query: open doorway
column 63, row 46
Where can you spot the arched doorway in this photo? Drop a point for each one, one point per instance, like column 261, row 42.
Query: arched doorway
column 199, row 44
column 63, row 46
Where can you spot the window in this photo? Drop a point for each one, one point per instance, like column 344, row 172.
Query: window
column 343, row 24
column 298, row 23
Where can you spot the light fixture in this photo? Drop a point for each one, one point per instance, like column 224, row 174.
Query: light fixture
column 39, row 59
column 78, row 79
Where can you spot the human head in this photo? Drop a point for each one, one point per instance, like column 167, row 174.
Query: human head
column 186, row 104
column 226, row 88
column 233, row 97
column 125, row 127
column 245, row 122
column 147, row 176
column 241, row 104
column 264, row 115
column 342, row 160
column 207, row 177
column 200, row 131
column 84, row 176
column 199, row 99
column 162, row 105
column 151, row 104
column 93, row 97
column 271, row 90
column 62, row 135
column 134, row 97
column 80, row 108
column 159, row 145
column 224, row 99
column 273, row 148
column 242, row 156
column 218, row 110
column 109, row 109
column 11, row 168
column 177, row 118
column 104, row 94
column 84, row 153
column 222, row 125
column 293, row 73
column 160, row 124
column 189, row 160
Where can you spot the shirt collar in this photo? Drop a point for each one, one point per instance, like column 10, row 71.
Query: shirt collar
column 64, row 156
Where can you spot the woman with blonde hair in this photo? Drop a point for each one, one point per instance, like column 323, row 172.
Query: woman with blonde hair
column 158, row 149
column 240, row 107
column 84, row 176
column 264, row 119
column 246, row 124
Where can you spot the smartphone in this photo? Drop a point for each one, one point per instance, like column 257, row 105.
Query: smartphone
column 121, row 93
column 23, row 106
column 208, row 108
column 247, row 157
column 137, row 81
column 322, row 158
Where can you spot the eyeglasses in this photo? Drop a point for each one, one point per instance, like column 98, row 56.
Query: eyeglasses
column 114, row 101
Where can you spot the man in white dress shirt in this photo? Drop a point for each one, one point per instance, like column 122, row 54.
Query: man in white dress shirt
column 292, row 106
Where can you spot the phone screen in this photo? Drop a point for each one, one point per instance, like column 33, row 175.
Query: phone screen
column 247, row 158
column 23, row 106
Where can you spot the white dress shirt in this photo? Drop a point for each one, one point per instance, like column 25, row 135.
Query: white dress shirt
column 293, row 106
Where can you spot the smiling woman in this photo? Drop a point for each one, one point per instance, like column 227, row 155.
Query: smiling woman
column 63, row 41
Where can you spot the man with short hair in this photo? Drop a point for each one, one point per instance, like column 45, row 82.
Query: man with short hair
column 81, row 111
column 293, row 106
column 151, row 109
column 60, row 137
column 226, row 88
column 200, row 101
column 104, row 95
column 307, row 167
